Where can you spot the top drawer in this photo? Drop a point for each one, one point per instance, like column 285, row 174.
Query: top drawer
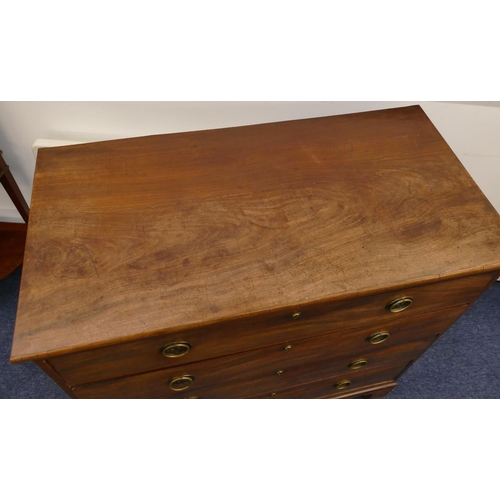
column 259, row 331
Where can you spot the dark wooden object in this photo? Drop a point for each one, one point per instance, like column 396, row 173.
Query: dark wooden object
column 263, row 257
column 12, row 236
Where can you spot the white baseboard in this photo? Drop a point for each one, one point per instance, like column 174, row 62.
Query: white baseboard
column 51, row 143
column 10, row 215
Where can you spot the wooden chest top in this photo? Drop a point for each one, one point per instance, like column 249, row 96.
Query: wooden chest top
column 132, row 237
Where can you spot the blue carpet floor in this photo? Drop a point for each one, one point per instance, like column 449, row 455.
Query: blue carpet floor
column 462, row 364
column 25, row 380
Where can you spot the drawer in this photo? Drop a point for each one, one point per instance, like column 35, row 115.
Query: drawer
column 239, row 376
column 367, row 392
column 353, row 385
column 254, row 332
column 276, row 367
column 386, row 340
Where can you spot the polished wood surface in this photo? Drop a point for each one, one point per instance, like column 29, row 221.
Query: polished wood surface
column 367, row 392
column 375, row 384
column 270, row 252
column 230, row 336
column 135, row 237
column 154, row 387
column 281, row 366
column 292, row 353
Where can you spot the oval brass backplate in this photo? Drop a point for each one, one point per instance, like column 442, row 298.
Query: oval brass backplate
column 181, row 383
column 378, row 337
column 359, row 363
column 399, row 304
column 342, row 384
column 176, row 349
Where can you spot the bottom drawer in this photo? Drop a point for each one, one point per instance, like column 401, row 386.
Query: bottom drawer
column 370, row 392
column 341, row 386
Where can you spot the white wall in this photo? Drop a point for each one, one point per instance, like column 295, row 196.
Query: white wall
column 471, row 129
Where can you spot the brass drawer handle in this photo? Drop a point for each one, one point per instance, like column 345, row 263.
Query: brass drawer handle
column 296, row 315
column 176, row 349
column 342, row 384
column 288, row 347
column 359, row 363
column 181, row 383
column 378, row 338
column 400, row 304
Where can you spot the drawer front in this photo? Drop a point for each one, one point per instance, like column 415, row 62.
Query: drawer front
column 285, row 365
column 366, row 392
column 240, row 376
column 340, row 386
column 259, row 331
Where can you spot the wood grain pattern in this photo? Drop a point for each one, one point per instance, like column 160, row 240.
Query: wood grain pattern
column 134, row 237
column 130, row 358
column 323, row 389
column 276, row 368
column 154, row 386
column 367, row 392
column 242, row 375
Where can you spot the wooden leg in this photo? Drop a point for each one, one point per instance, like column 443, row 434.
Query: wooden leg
column 12, row 236
column 10, row 185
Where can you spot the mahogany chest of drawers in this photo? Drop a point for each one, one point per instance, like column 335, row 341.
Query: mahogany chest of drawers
column 313, row 258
